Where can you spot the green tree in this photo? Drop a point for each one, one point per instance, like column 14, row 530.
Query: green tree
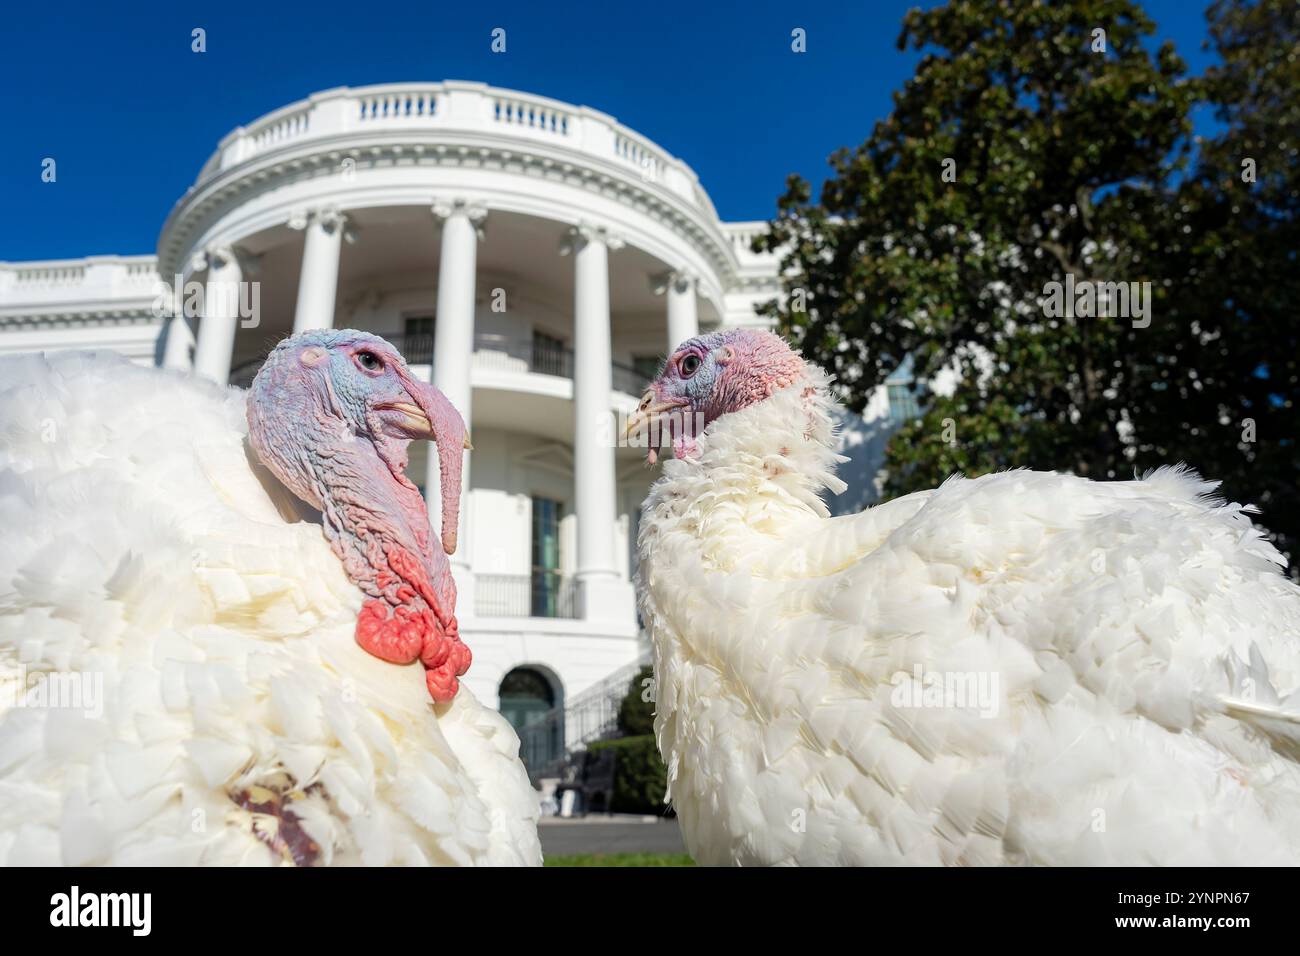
column 1226, row 393
column 1027, row 147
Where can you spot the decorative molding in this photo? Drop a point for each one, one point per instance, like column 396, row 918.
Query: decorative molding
column 80, row 318
column 681, row 277
column 475, row 212
column 217, row 256
column 575, row 237
column 228, row 186
column 329, row 217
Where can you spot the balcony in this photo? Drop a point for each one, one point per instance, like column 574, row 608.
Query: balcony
column 490, row 352
column 540, row 594
column 449, row 108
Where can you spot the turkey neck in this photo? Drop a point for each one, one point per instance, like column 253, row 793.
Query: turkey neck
column 715, row 530
column 725, row 518
column 755, row 472
column 373, row 517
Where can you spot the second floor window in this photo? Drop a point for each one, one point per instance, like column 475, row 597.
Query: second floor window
column 417, row 340
column 550, row 357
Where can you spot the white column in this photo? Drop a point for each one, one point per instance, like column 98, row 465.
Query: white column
column 220, row 315
column 179, row 341
column 453, row 349
column 683, row 321
column 319, row 278
column 602, row 593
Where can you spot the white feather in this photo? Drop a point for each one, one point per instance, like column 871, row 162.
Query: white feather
column 144, row 549
column 1139, row 647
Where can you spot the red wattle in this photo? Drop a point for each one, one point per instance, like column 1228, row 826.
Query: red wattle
column 401, row 632
column 386, row 635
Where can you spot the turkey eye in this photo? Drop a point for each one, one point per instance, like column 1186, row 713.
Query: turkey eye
column 369, row 361
column 690, row 364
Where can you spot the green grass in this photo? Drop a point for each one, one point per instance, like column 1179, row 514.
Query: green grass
column 621, row 859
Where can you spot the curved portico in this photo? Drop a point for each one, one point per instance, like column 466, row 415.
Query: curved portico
column 535, row 259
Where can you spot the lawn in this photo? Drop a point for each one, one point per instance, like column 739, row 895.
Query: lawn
column 621, row 859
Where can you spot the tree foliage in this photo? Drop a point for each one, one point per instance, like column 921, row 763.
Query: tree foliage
column 1067, row 159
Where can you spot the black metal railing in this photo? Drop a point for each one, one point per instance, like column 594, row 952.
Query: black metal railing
column 547, row 741
column 541, row 744
column 416, row 348
column 546, row 359
column 490, row 351
column 540, row 594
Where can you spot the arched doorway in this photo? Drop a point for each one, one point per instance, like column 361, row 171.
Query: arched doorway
column 530, row 700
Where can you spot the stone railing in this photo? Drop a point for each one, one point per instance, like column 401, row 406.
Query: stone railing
column 540, row 594
column 460, row 107
column 742, row 234
column 95, row 279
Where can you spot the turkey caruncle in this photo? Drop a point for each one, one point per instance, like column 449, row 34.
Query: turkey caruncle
column 1137, row 643
column 245, row 715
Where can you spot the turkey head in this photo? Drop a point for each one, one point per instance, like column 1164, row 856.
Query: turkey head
column 331, row 414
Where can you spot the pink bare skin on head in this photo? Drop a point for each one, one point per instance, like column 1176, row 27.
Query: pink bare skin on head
column 331, row 414
column 710, row 376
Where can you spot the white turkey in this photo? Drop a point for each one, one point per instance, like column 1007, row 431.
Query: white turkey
column 1023, row 668
column 201, row 670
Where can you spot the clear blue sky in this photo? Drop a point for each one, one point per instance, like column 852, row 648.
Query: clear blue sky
column 114, row 94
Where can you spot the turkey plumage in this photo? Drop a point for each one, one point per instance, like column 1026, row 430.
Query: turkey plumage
column 1025, row 667
column 180, row 675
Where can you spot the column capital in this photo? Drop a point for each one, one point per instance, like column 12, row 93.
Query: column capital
column 218, row 255
column 329, row 218
column 575, row 237
column 680, row 279
column 475, row 212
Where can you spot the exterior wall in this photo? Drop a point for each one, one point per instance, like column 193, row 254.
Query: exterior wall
column 135, row 336
column 576, row 655
column 509, row 469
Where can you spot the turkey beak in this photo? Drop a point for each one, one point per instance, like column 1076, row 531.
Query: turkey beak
column 647, row 412
column 440, row 423
column 645, row 420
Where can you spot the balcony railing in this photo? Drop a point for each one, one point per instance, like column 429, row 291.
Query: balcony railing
column 546, row 742
column 97, row 279
column 540, row 594
column 457, row 108
column 494, row 352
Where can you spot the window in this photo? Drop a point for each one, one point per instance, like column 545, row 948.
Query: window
column 903, row 406
column 901, row 386
column 546, row 580
column 550, row 357
column 417, row 340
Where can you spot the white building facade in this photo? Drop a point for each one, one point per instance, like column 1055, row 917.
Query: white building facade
column 535, row 260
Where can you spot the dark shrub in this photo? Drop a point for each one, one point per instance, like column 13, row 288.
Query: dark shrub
column 640, row 777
